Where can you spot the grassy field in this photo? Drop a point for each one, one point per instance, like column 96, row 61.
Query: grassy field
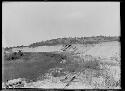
column 95, row 62
column 30, row 66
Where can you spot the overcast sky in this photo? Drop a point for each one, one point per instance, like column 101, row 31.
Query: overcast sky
column 26, row 22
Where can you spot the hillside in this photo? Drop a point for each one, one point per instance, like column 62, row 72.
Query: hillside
column 76, row 40
column 64, row 41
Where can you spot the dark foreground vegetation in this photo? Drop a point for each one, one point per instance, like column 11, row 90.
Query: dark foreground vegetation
column 13, row 56
column 30, row 65
column 33, row 66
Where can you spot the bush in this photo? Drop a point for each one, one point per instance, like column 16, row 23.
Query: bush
column 13, row 56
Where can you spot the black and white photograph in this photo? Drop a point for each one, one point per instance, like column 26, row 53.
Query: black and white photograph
column 61, row 45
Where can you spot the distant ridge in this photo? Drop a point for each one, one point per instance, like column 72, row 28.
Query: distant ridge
column 75, row 40
column 70, row 40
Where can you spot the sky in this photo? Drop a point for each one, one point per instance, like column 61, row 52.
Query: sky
column 24, row 23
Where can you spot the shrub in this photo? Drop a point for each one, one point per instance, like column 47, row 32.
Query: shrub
column 13, row 56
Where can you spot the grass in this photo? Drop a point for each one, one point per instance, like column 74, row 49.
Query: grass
column 30, row 66
column 90, row 67
column 34, row 66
